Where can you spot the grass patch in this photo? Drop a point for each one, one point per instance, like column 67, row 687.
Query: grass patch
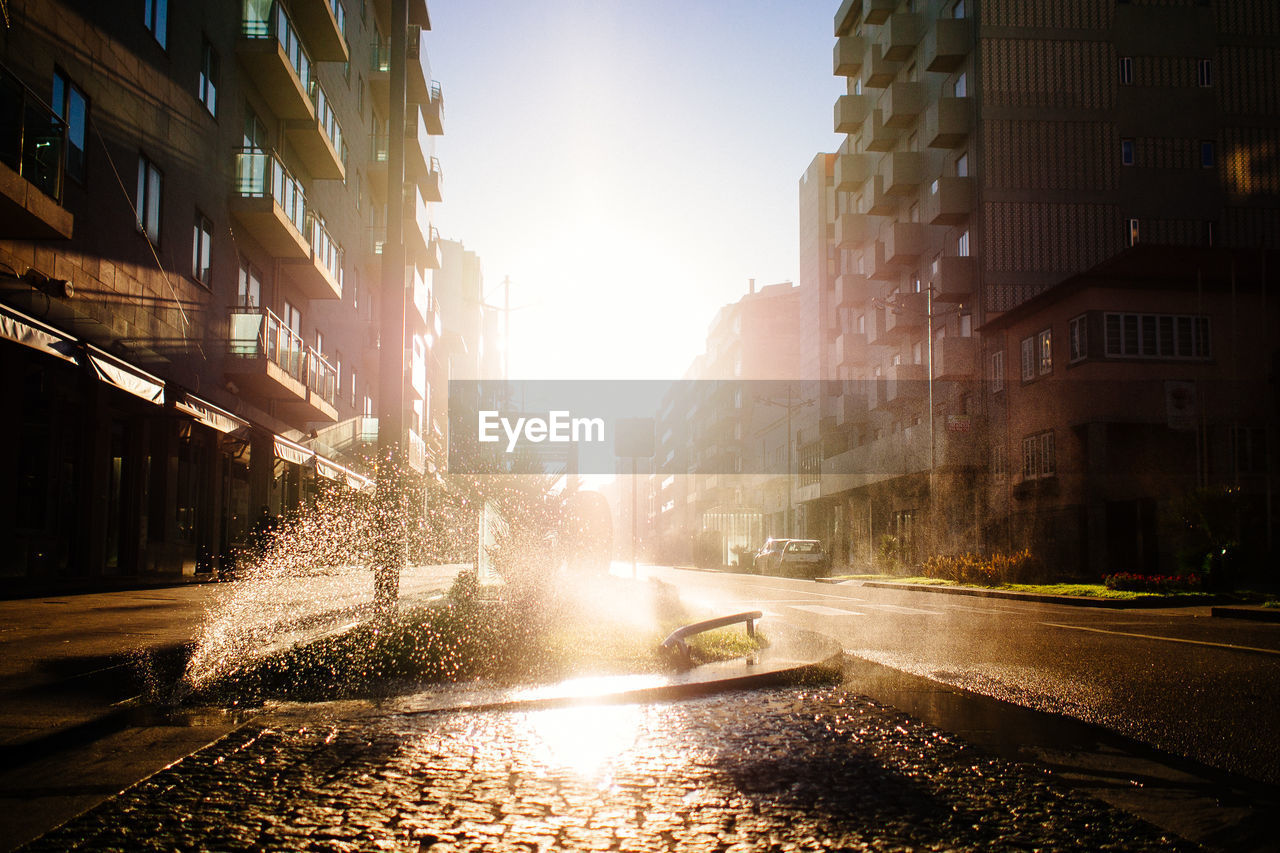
column 1082, row 590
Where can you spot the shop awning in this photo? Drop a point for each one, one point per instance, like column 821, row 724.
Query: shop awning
column 340, row 474
column 210, row 415
column 293, row 452
column 126, row 377
column 20, row 328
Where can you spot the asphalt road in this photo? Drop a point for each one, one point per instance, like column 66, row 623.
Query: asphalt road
column 1174, row 678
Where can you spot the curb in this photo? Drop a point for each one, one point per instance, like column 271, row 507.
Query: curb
column 1043, row 598
column 1257, row 614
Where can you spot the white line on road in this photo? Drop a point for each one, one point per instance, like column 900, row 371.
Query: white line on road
column 1166, row 639
column 823, row 610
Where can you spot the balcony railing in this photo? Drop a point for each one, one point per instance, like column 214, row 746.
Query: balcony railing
column 259, row 333
column 380, row 56
column 260, row 174
column 264, row 21
column 328, row 252
column 32, row 137
column 322, row 378
column 328, row 119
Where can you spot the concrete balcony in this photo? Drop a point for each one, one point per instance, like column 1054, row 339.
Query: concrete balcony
column 876, row 135
column 902, row 103
column 852, row 349
column 322, row 24
column 877, row 269
column 880, row 202
column 318, row 140
column 955, row 358
column 903, row 242
column 947, row 44
column 907, row 387
column 877, row 11
column 272, row 55
column 417, row 221
column 854, row 230
column 955, row 279
column 417, row 9
column 846, row 56
column 320, row 277
column 877, row 71
column 851, row 111
column 431, row 181
column 901, row 35
column 950, row 201
column 851, row 289
column 420, row 88
column 434, row 254
column 947, row 122
column 271, row 205
column 33, row 153
column 901, row 171
column 266, row 358
column 852, row 171
column 421, row 298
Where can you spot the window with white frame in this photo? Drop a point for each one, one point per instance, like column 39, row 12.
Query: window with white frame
column 961, row 86
column 249, row 288
column 202, row 249
column 1038, row 456
column 1044, row 352
column 997, row 371
column 1156, row 336
column 147, row 200
column 1079, row 341
column 962, row 244
column 998, row 466
column 1028, row 359
column 1126, row 70
column 207, row 86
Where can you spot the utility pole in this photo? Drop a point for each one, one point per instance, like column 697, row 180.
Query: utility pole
column 392, row 551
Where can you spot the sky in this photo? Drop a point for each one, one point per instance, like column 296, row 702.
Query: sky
column 629, row 165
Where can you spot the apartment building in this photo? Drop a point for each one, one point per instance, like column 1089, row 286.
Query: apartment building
column 194, row 209
column 993, row 149
column 721, row 473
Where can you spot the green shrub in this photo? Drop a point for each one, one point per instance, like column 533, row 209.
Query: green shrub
column 977, row 570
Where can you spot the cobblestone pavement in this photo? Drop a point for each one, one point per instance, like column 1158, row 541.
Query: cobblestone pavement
column 785, row 769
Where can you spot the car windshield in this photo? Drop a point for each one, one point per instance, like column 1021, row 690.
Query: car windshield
column 804, row 547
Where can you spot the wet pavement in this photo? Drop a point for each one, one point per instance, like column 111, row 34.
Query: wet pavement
column 779, row 769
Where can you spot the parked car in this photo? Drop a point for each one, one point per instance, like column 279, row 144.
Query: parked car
column 769, row 557
column 803, row 558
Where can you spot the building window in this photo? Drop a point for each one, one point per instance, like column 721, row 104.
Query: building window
column 961, row 86
column 966, row 325
column 201, row 249
column 1079, row 341
column 249, row 288
column 1156, row 336
column 962, row 165
column 1250, row 449
column 1126, row 70
column 1044, row 352
column 207, row 89
column 998, row 468
column 957, row 11
column 155, row 17
column 1126, row 152
column 1038, row 456
column 1208, row 154
column 862, row 324
column 1209, row 228
column 962, row 244
column 1133, row 232
column 71, row 106
column 1028, row 359
column 147, row 201
column 1204, row 72
column 997, row 371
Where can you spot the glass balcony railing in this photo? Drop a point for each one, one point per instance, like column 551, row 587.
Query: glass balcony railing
column 328, row 252
column 322, row 378
column 380, row 56
column 260, row 174
column 263, row 20
column 328, row 119
column 32, row 137
column 259, row 333
column 380, row 148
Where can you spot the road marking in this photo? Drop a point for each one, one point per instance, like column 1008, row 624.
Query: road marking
column 823, row 610
column 1166, row 639
column 897, row 608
